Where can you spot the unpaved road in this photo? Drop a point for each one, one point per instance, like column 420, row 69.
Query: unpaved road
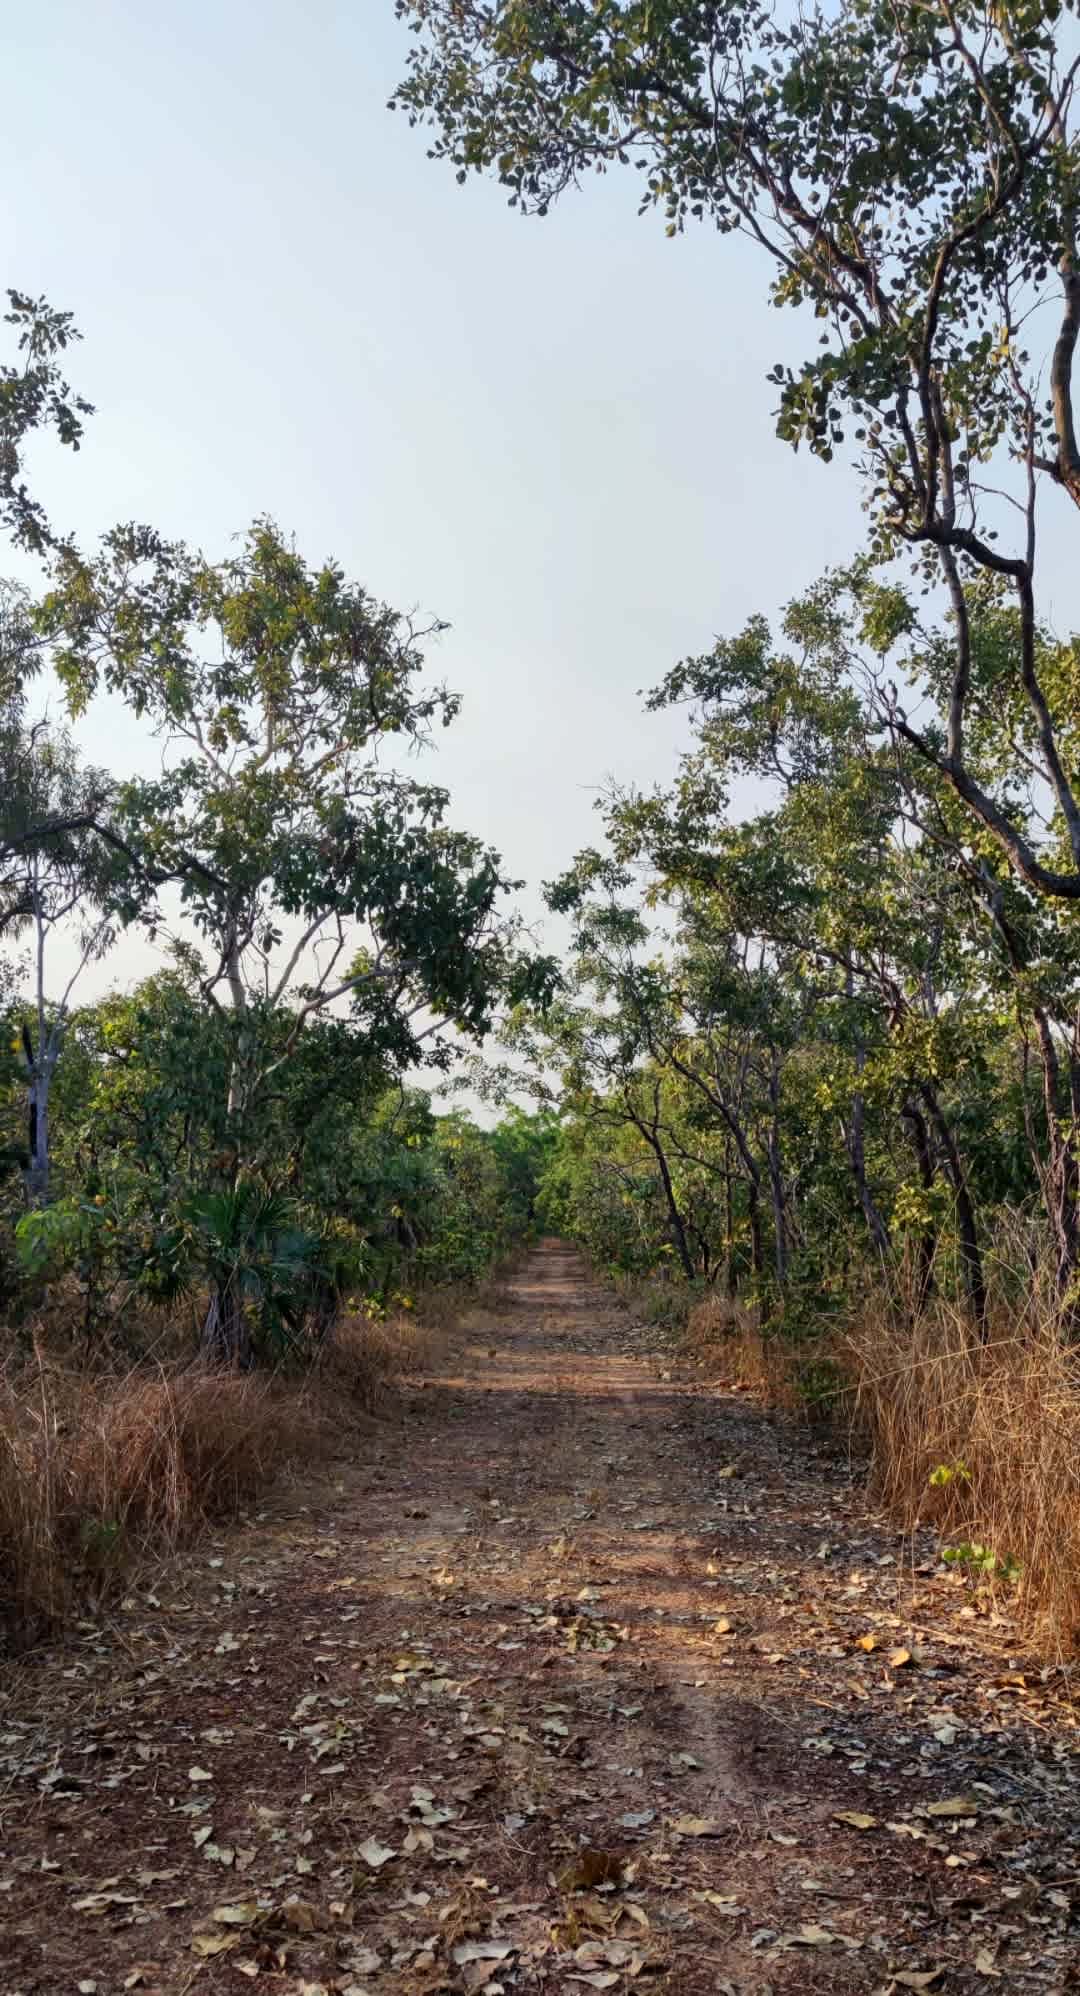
column 585, row 1676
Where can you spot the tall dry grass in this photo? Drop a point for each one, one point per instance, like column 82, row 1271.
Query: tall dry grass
column 98, row 1475
column 981, row 1441
column 723, row 1337
column 101, row 1473
column 978, row 1441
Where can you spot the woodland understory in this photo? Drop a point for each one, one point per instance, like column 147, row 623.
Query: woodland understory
column 805, row 1077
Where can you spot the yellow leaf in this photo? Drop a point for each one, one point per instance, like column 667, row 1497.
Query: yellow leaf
column 696, row 1826
column 868, row 1643
column 208, row 1944
column 955, row 1805
column 855, row 1819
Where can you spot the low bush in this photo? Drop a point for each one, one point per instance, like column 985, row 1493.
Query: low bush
column 660, row 1300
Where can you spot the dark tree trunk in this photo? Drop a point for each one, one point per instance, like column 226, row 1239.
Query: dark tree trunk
column 913, row 1116
column 966, row 1225
column 675, row 1218
column 1062, row 1180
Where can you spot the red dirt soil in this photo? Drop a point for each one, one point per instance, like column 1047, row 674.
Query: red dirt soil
column 588, row 1675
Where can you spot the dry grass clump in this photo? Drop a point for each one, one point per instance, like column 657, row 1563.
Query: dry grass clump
column 97, row 1474
column 101, row 1472
column 978, row 1440
column 981, row 1440
column 657, row 1300
column 722, row 1334
column 365, row 1357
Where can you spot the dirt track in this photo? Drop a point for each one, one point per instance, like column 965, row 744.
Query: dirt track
column 570, row 1683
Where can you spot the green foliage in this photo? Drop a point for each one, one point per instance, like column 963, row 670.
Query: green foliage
column 911, row 177
column 81, row 1236
column 34, row 396
column 981, row 1562
column 236, row 1129
column 371, row 1194
column 949, row 1472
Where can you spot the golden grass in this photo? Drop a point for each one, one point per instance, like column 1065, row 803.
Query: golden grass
column 977, row 1441
column 723, row 1337
column 997, row 1426
column 102, row 1472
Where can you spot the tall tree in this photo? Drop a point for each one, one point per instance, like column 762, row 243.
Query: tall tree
column 910, row 172
column 312, row 873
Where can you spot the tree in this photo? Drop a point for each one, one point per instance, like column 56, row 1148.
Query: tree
column 50, row 886
column 311, row 873
column 911, row 174
column 35, row 396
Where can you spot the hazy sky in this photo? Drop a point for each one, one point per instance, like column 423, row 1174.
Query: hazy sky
column 555, row 434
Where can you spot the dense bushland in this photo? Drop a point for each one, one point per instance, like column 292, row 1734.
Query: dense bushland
column 819, row 1054
column 226, row 1198
column 811, row 1072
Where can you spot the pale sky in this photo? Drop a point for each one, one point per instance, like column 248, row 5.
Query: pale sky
column 555, row 434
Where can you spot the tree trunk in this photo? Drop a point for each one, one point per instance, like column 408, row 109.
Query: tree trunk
column 776, row 1178
column 966, row 1226
column 729, row 1227
column 854, row 1133
column 1062, row 1180
column 675, row 1218
column 854, row 1144
column 912, row 1115
column 37, row 1175
column 226, row 1334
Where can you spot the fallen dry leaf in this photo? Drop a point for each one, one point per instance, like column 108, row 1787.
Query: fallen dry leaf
column 375, row 1854
column 696, row 1826
column 244, row 1914
column 589, row 1869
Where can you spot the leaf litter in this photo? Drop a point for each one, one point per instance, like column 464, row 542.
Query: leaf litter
column 451, row 1722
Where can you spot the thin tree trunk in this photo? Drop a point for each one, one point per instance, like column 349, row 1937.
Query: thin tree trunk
column 912, row 1115
column 39, row 1063
column 776, row 1178
column 37, row 1177
column 675, row 1218
column 1061, row 1177
column 729, row 1225
column 967, row 1228
column 854, row 1135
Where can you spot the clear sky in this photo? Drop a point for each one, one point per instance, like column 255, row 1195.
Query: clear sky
column 555, row 434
